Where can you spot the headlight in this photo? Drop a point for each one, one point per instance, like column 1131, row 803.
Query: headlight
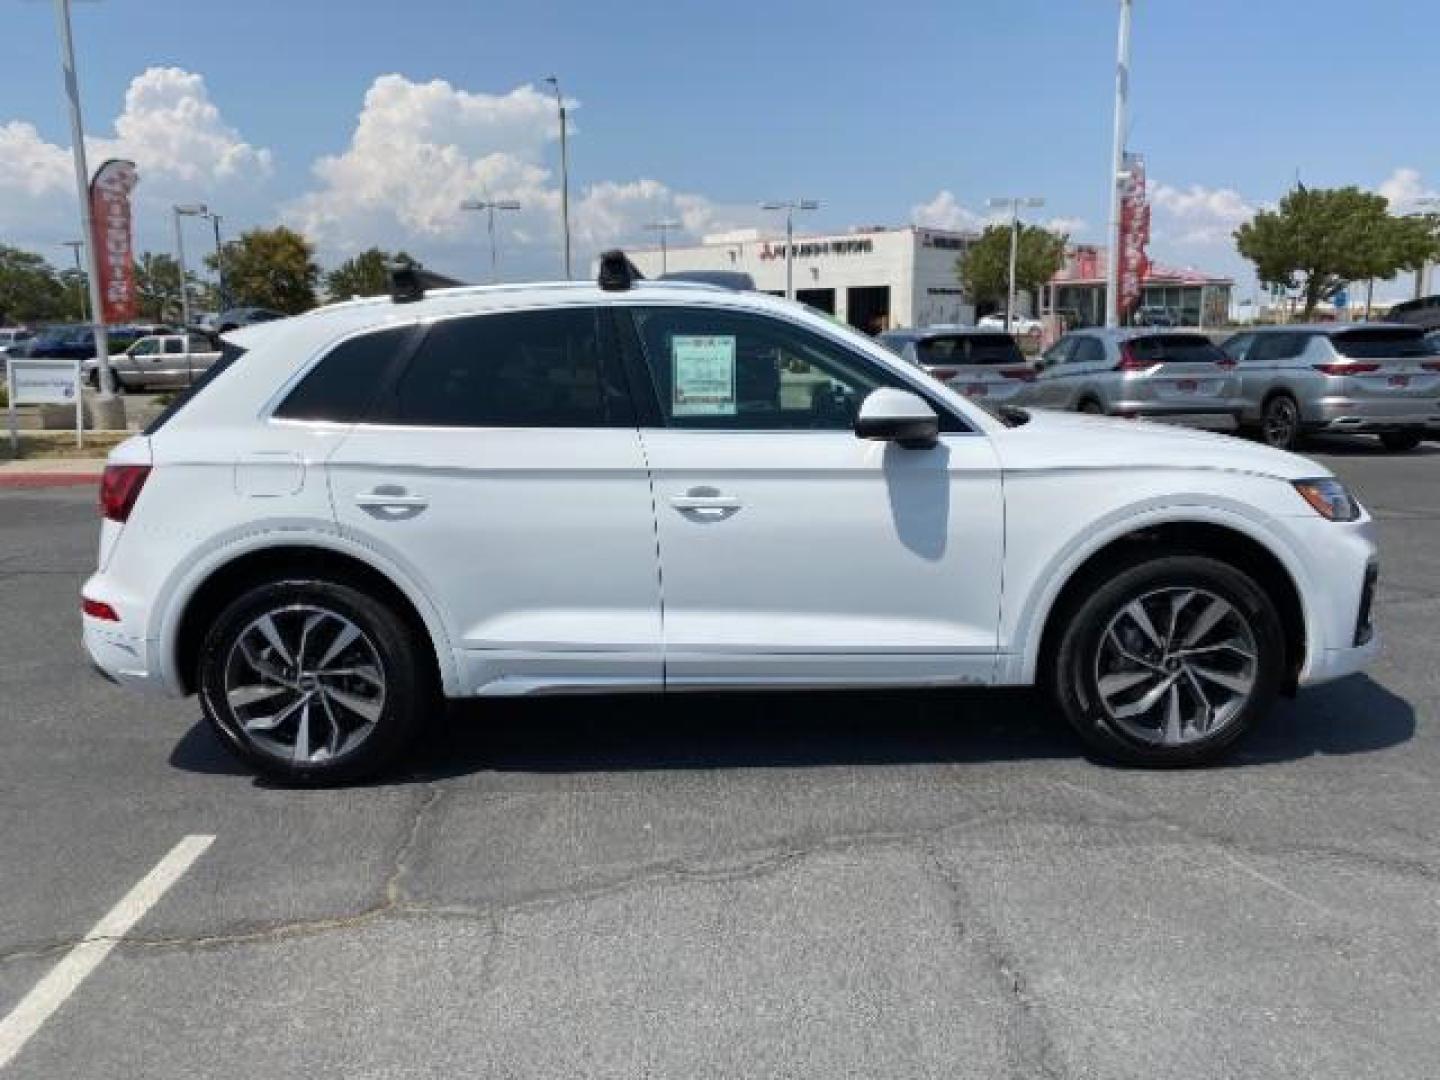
column 1329, row 498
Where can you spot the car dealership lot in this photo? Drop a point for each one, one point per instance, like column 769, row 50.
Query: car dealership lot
column 865, row 884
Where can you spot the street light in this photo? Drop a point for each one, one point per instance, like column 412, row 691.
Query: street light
column 76, row 246
column 219, row 262
column 662, row 227
column 1117, row 167
column 82, row 190
column 490, row 206
column 790, row 207
column 564, row 171
column 185, row 210
column 1014, row 203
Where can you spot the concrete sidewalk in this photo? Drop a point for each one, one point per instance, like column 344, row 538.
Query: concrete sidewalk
column 50, row 472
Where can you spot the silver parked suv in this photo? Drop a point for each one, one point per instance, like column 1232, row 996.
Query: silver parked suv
column 1148, row 375
column 982, row 364
column 1376, row 378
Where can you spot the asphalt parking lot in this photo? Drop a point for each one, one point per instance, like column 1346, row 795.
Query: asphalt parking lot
column 927, row 884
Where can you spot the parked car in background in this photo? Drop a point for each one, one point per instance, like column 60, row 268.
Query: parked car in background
column 1020, row 324
column 1176, row 376
column 383, row 504
column 1356, row 378
column 979, row 363
column 76, row 341
column 235, row 318
column 1423, row 311
column 160, row 362
column 11, row 336
column 1156, row 316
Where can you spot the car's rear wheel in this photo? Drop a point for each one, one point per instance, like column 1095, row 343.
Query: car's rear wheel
column 1398, row 442
column 313, row 682
column 1280, row 422
column 1090, row 406
column 1170, row 661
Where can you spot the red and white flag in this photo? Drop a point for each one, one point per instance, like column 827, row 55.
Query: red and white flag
column 113, row 239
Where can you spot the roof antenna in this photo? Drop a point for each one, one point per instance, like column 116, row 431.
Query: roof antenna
column 617, row 273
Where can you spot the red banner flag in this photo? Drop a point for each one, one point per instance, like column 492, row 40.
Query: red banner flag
column 114, row 247
column 1134, row 234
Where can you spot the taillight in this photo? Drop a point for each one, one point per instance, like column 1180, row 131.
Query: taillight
column 1130, row 362
column 1024, row 374
column 1430, row 365
column 1225, row 362
column 1347, row 368
column 119, row 488
column 944, row 374
column 98, row 609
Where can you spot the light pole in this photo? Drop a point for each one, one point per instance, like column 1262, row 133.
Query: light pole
column 82, row 189
column 490, row 206
column 662, row 227
column 219, row 263
column 564, row 170
column 1117, row 166
column 1013, row 203
column 790, row 206
column 76, row 246
column 185, row 210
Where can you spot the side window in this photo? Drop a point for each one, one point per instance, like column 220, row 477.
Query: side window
column 174, row 346
column 1088, row 350
column 1281, row 346
column 146, row 347
column 737, row 371
column 1059, row 352
column 1236, row 346
column 341, row 386
column 552, row 368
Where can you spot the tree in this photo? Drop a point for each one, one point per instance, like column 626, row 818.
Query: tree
column 30, row 290
column 157, row 285
column 1320, row 239
column 366, row 274
column 270, row 268
column 984, row 270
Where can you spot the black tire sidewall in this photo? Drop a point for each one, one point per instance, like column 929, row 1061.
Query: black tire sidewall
column 1399, row 442
column 1074, row 683
column 408, row 693
column 1274, row 402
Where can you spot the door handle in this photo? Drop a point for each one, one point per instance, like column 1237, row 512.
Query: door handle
column 389, row 498
column 705, row 501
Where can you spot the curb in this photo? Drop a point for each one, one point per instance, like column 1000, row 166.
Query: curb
column 29, row 480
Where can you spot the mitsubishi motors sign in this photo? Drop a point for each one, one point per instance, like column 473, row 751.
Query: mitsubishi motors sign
column 1134, row 234
column 114, row 246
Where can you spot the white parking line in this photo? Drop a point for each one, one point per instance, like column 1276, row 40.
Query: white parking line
column 52, row 991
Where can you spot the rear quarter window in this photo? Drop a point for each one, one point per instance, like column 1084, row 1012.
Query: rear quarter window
column 982, row 349
column 1379, row 344
column 342, row 386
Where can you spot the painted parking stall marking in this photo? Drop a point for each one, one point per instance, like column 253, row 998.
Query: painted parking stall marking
column 65, row 977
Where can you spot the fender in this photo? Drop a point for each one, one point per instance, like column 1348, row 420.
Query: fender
column 1035, row 614
column 175, row 594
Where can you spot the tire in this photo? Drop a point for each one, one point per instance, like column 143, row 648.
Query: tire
column 1280, row 422
column 1398, row 442
column 1090, row 407
column 360, row 707
column 1107, row 668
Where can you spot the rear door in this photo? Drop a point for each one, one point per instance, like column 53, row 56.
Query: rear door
column 1049, row 389
column 501, row 469
column 793, row 552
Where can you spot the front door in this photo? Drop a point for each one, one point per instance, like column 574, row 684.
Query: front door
column 793, row 552
column 502, row 470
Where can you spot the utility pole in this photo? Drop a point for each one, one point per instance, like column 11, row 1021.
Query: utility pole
column 662, row 227
column 76, row 246
column 564, row 171
column 490, row 206
column 220, row 298
column 790, row 207
column 1013, row 203
column 1117, row 167
column 82, row 189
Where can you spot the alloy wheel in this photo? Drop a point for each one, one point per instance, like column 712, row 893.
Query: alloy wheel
column 1281, row 422
column 304, row 683
column 1176, row 665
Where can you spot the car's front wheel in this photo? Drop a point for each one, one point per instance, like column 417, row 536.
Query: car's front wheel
column 1399, row 442
column 312, row 681
column 1170, row 661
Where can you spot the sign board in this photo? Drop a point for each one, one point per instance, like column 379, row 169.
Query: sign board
column 703, row 375
column 35, row 381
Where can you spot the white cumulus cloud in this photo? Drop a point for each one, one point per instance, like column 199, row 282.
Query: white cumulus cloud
column 945, row 211
column 1406, row 190
column 1198, row 215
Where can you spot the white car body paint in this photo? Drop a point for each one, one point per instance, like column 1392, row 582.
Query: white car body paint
column 562, row 560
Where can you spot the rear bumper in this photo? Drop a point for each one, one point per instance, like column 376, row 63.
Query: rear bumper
column 1349, row 414
column 124, row 660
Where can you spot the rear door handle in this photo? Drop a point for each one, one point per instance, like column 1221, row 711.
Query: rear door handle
column 705, row 501
column 390, row 499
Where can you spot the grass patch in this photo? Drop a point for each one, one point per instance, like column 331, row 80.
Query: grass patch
column 59, row 445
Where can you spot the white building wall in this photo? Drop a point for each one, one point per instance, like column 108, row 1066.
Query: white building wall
column 920, row 276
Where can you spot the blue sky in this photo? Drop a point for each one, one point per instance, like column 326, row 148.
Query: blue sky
column 878, row 110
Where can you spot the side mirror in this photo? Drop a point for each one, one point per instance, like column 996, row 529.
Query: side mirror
column 898, row 416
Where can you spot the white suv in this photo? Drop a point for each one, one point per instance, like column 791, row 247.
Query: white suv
column 646, row 486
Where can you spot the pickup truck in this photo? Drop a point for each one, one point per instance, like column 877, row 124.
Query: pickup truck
column 160, row 362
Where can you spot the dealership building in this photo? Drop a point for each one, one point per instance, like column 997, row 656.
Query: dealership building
column 1192, row 297
column 871, row 278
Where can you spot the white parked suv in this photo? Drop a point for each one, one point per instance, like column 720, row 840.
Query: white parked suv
column 637, row 486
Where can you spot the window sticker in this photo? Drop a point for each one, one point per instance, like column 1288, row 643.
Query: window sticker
column 703, row 375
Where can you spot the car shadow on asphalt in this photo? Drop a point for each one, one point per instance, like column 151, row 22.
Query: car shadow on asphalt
column 810, row 730
column 1359, row 446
